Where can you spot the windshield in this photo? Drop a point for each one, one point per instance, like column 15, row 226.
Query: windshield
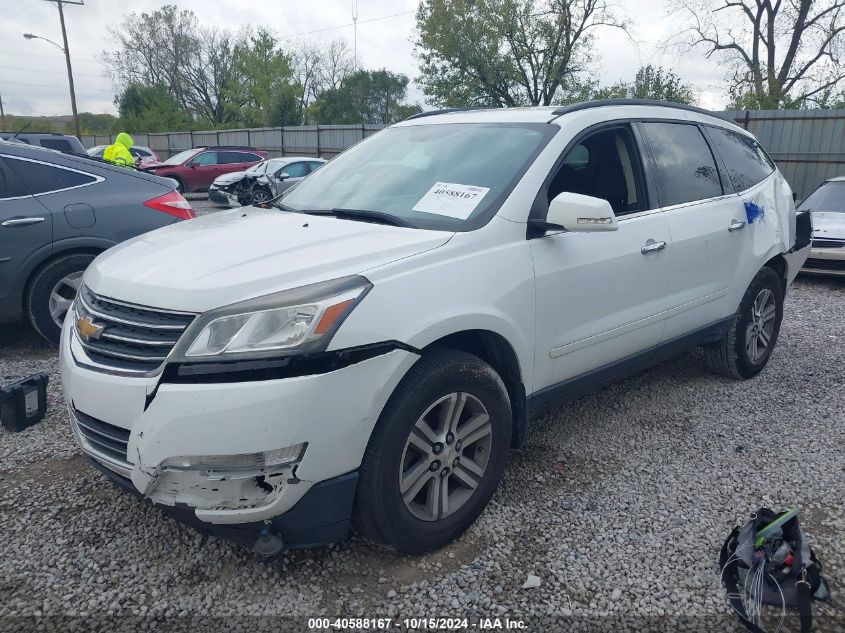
column 450, row 177
column 830, row 197
column 181, row 157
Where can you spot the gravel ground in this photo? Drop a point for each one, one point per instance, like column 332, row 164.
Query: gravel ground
column 618, row 504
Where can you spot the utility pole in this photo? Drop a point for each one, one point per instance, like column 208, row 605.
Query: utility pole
column 66, row 51
column 355, row 34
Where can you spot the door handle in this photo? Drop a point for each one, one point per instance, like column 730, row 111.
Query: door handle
column 652, row 247
column 736, row 225
column 21, row 221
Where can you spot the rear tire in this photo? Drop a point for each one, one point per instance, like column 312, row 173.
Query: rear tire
column 447, row 464
column 50, row 292
column 748, row 344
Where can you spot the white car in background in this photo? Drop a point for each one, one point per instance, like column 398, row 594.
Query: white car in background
column 827, row 205
column 262, row 182
column 371, row 349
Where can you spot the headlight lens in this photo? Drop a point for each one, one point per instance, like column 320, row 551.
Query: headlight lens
column 303, row 319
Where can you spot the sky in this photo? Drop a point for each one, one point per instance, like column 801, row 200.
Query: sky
column 33, row 78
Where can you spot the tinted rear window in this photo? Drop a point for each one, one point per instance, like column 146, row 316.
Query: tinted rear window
column 42, row 178
column 59, row 144
column 746, row 162
column 685, row 164
column 10, row 185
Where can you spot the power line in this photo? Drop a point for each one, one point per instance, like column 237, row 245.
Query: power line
column 343, row 26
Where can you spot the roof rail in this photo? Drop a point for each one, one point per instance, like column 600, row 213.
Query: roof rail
column 420, row 115
column 243, row 147
column 586, row 105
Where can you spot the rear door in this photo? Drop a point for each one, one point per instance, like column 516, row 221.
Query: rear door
column 25, row 227
column 705, row 220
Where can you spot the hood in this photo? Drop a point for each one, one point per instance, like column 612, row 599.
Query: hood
column 228, row 179
column 124, row 139
column 234, row 255
column 828, row 224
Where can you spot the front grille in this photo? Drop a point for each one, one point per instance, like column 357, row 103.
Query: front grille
column 133, row 338
column 825, row 264
column 101, row 439
column 821, row 243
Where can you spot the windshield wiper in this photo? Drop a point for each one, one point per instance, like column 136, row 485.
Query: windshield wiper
column 366, row 216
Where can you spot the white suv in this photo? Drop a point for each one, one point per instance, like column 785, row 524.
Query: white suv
column 369, row 350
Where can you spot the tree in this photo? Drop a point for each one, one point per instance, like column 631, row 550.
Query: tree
column 506, row 52
column 366, row 97
column 168, row 48
column 319, row 67
column 150, row 109
column 780, row 54
column 267, row 93
column 650, row 83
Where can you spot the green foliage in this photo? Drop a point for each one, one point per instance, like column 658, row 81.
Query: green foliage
column 650, row 83
column 365, row 97
column 150, row 109
column 267, row 93
column 91, row 123
column 507, row 52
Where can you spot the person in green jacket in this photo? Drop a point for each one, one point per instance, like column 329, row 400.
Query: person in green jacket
column 118, row 152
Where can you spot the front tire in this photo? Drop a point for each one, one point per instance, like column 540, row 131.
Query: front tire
column 51, row 291
column 748, row 344
column 436, row 455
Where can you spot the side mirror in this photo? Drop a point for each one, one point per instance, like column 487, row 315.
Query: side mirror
column 283, row 175
column 577, row 213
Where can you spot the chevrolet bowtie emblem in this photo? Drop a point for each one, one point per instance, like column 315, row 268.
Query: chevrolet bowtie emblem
column 87, row 329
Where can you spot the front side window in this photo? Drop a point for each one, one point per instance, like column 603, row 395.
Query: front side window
column 686, row 168
column 603, row 165
column 451, row 176
column 315, row 165
column 43, row 178
column 206, row 158
column 829, row 198
column 745, row 160
column 296, row 170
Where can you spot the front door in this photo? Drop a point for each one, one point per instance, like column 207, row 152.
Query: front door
column 203, row 169
column 601, row 297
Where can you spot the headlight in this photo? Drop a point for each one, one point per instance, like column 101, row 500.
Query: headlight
column 293, row 321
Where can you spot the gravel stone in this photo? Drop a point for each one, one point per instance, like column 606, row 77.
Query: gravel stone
column 628, row 531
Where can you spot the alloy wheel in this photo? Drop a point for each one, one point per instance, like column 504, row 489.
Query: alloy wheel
column 62, row 295
column 761, row 325
column 260, row 197
column 445, row 456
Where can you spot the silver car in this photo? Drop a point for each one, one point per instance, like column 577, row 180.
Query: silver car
column 827, row 206
column 263, row 182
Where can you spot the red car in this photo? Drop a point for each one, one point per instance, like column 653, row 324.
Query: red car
column 195, row 169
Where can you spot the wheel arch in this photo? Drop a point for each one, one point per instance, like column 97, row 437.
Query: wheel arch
column 781, row 268
column 88, row 249
column 496, row 350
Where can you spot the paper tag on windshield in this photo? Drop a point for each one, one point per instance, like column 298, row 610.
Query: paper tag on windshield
column 451, row 199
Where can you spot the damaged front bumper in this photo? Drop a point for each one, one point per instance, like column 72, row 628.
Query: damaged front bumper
column 233, row 456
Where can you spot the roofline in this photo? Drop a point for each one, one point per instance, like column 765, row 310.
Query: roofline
column 586, row 105
column 420, row 115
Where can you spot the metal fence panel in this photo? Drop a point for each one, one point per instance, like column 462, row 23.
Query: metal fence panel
column 807, row 145
column 301, row 140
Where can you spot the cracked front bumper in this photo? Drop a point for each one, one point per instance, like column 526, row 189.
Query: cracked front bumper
column 332, row 413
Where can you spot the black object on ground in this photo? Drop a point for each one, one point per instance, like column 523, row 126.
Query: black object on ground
column 24, row 403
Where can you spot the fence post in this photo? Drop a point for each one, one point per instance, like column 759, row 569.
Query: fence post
column 318, row 142
column 217, row 136
column 747, row 118
column 249, row 138
column 282, row 137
